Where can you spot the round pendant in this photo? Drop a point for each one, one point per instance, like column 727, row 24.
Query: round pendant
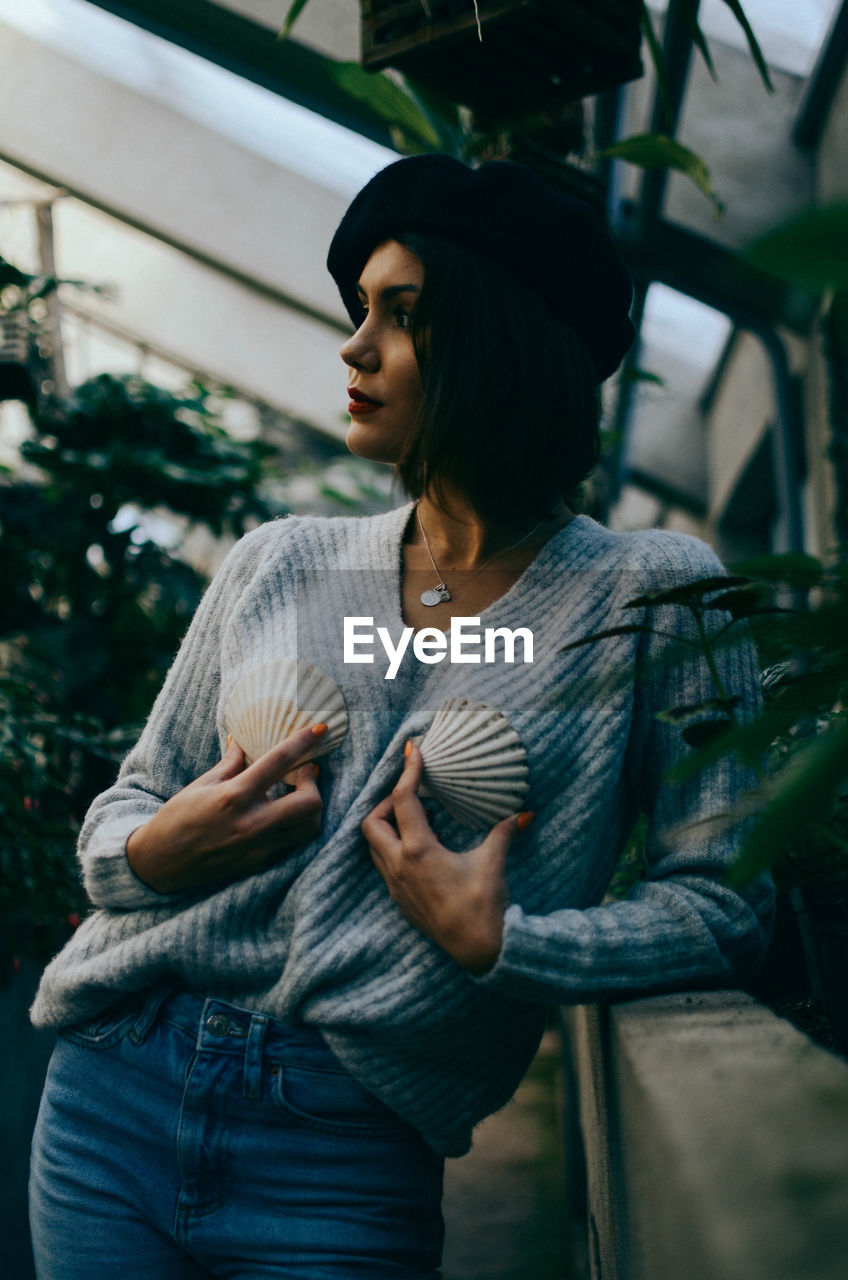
column 436, row 595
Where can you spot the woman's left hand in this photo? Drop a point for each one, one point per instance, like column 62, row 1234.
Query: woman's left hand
column 457, row 899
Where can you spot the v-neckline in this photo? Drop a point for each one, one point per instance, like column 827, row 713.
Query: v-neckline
column 395, row 547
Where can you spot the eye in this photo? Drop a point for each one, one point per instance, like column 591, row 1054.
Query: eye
column 402, row 318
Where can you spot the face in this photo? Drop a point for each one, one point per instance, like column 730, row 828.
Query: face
column 384, row 383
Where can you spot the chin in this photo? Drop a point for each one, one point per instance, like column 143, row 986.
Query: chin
column 363, row 443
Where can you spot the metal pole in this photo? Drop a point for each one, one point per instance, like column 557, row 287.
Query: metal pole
column 44, row 219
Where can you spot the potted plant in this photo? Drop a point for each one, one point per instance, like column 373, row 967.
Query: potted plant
column 505, row 57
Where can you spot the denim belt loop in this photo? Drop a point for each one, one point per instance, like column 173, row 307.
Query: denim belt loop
column 143, row 1024
column 253, row 1055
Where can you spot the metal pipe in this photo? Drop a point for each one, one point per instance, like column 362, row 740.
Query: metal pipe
column 46, row 248
column 638, row 224
column 788, row 433
column 677, row 56
column 823, row 83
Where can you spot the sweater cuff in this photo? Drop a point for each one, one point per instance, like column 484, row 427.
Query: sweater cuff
column 508, row 975
column 110, row 880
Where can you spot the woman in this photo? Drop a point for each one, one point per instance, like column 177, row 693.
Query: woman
column 305, row 997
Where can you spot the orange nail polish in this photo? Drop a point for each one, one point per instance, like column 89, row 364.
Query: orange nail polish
column 407, row 749
column 229, row 741
column 319, row 730
column 524, row 819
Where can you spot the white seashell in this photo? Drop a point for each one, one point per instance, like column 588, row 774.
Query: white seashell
column 275, row 699
column 474, row 763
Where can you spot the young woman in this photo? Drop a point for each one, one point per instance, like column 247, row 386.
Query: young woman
column 293, row 999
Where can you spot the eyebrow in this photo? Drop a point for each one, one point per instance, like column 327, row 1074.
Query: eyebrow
column 391, row 291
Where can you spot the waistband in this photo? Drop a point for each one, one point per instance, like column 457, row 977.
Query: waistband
column 215, row 1024
column 216, row 1027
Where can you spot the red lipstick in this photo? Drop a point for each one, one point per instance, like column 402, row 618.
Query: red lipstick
column 359, row 402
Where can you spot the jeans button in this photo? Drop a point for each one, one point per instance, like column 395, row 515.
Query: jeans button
column 218, row 1024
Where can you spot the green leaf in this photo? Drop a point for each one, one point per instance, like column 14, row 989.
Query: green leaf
column 442, row 111
column 794, row 568
column 749, row 742
column 655, row 50
column 632, row 629
column 658, row 151
column 799, row 796
column 387, row 99
column 838, row 317
column 678, row 715
column 690, row 8
column 642, row 375
column 10, row 274
column 744, row 602
column 810, row 250
column 336, row 495
column 295, row 10
column 686, row 592
column 756, row 52
column 707, row 731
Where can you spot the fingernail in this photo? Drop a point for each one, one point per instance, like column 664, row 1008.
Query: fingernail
column 524, row 819
column 319, row 730
column 408, row 748
column 229, row 740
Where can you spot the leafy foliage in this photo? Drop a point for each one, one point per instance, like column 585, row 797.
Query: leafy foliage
column 689, row 9
column 20, row 289
column 800, row 831
column 810, row 249
column 94, row 609
column 424, row 120
column 657, row 151
column 390, row 102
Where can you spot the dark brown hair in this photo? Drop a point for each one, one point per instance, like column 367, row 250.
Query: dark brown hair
column 510, row 399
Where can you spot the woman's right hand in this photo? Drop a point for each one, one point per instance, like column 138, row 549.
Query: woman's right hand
column 223, row 826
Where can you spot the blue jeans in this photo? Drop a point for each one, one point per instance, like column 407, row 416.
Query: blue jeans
column 180, row 1137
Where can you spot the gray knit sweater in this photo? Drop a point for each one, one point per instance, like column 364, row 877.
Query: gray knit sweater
column 316, row 939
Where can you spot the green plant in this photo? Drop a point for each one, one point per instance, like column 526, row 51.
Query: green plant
column 422, row 120
column 94, row 609
column 800, row 828
column 20, row 289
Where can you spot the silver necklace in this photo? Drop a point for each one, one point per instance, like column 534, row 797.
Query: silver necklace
column 440, row 594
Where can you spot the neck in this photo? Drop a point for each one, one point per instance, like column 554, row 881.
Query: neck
column 460, row 538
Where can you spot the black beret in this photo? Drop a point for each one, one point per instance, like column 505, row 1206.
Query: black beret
column 554, row 242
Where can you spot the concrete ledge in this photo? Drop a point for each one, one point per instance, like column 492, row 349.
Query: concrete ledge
column 716, row 1142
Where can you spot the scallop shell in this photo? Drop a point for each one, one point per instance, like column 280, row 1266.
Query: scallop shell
column 273, row 700
column 474, row 763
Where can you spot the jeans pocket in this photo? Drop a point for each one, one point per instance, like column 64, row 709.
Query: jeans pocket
column 331, row 1100
column 106, row 1028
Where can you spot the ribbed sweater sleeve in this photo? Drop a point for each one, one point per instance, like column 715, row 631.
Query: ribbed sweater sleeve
column 683, row 926
column 179, row 743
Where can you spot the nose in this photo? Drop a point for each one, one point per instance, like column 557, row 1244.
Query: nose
column 358, row 351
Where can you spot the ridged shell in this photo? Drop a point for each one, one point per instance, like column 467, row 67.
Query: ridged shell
column 474, row 763
column 275, row 699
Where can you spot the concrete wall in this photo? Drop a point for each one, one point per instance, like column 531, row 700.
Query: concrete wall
column 831, row 169
column 742, row 414
column 330, row 26
column 744, row 133
column 216, row 250
column 743, row 408
column 715, row 1137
